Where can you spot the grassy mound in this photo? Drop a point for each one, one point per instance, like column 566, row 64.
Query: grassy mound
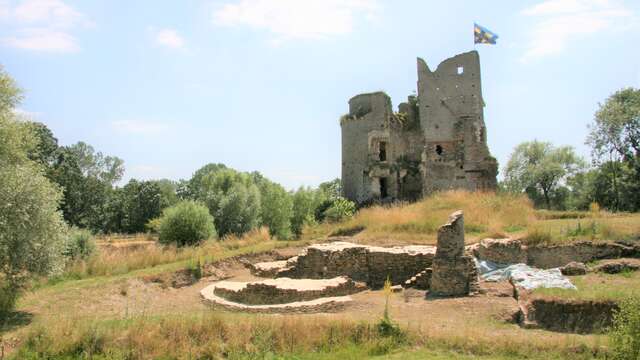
column 486, row 215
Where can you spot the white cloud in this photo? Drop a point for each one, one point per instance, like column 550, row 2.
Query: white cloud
column 42, row 39
column 54, row 12
column 42, row 25
column 563, row 21
column 169, row 38
column 295, row 19
column 139, row 127
column 26, row 114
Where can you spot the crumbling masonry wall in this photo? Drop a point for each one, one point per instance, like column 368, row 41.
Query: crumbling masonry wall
column 436, row 141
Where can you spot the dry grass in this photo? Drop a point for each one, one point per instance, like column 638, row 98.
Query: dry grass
column 116, row 261
column 235, row 336
column 486, row 215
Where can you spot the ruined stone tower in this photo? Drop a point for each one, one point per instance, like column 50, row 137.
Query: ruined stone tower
column 436, row 141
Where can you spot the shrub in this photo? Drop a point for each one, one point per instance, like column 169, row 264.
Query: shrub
column 186, row 223
column 625, row 332
column 80, row 244
column 340, row 209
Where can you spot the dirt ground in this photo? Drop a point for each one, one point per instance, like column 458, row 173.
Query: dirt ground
column 488, row 315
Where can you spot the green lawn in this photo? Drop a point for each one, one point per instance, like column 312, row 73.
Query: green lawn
column 598, row 286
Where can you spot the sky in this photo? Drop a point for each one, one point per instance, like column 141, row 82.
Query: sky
column 261, row 84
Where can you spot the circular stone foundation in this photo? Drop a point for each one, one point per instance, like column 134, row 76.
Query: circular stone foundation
column 283, row 294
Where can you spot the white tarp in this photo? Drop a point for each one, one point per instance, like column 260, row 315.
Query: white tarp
column 523, row 275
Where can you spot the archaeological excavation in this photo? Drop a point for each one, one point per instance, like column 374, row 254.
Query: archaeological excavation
column 335, row 276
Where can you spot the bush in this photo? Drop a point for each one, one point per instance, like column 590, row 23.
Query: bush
column 625, row 332
column 340, row 209
column 186, row 223
column 79, row 245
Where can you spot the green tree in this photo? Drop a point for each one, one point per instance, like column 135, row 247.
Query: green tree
column 540, row 170
column 233, row 199
column 31, row 228
column 168, row 192
column 305, row 203
column 107, row 169
column 615, row 137
column 47, row 145
column 85, row 195
column 192, row 189
column 331, row 189
column 276, row 209
column 186, row 223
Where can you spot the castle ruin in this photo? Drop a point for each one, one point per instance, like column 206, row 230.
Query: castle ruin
column 436, row 141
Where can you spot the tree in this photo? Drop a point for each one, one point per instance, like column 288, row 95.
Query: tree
column 107, row 169
column 10, row 94
column 615, row 137
column 233, row 200
column 186, row 223
column 276, row 209
column 47, row 145
column 192, row 188
column 539, row 168
column 305, row 203
column 168, row 192
column 31, row 228
column 85, row 195
column 332, row 189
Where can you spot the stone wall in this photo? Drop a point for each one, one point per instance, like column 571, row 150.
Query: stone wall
column 436, row 140
column 369, row 264
column 511, row 251
column 284, row 290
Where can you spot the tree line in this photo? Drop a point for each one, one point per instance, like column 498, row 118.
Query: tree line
column 555, row 177
column 237, row 201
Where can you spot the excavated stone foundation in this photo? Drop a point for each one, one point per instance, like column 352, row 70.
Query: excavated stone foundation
column 369, row 264
column 283, row 295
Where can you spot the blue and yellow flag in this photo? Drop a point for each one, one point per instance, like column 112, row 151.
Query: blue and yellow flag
column 483, row 36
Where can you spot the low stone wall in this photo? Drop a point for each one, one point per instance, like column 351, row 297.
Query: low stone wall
column 510, row 251
column 573, row 316
column 546, row 257
column 369, row 264
column 284, row 290
column 328, row 304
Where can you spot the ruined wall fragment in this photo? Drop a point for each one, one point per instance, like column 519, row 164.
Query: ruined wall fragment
column 454, row 273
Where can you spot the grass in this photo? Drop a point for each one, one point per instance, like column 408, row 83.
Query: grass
column 236, row 336
column 486, row 215
column 607, row 226
column 99, row 308
column 109, row 262
column 598, row 287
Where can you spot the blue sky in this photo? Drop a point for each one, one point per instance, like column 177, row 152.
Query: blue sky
column 260, row 84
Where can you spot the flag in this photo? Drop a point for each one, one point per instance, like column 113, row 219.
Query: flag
column 483, row 36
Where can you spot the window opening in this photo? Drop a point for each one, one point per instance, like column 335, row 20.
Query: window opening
column 382, row 153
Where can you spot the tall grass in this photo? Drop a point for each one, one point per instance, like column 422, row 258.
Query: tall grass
column 234, row 336
column 123, row 260
column 486, row 214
